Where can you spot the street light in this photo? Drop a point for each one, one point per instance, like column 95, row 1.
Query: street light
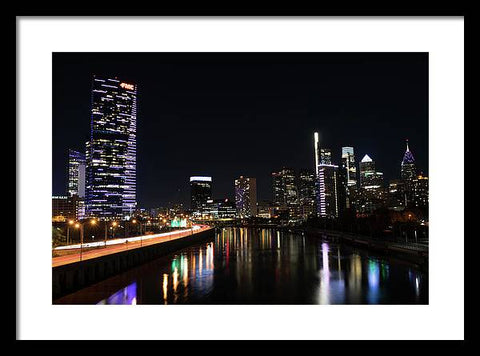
column 81, row 226
column 134, row 221
column 70, row 222
column 114, row 224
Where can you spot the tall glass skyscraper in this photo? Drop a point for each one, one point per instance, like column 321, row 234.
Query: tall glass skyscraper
column 306, row 192
column 408, row 170
column 326, row 181
column 200, row 193
column 76, row 174
column 348, row 162
column 111, row 150
column 372, row 194
column 408, row 173
column 246, row 197
column 285, row 193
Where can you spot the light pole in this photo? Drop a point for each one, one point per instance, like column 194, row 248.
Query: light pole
column 134, row 221
column 92, row 222
column 70, row 222
column 106, row 232
column 114, row 224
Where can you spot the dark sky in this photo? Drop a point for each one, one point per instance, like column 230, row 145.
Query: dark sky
column 232, row 114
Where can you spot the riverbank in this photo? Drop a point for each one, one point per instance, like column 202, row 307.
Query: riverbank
column 72, row 276
column 412, row 252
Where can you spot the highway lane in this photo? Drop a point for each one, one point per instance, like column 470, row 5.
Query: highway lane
column 133, row 243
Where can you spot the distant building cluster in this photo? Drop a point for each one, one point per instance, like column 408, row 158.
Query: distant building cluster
column 102, row 179
column 326, row 191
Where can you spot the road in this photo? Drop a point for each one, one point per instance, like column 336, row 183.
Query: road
column 119, row 245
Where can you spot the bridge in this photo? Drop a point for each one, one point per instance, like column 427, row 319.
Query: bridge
column 77, row 266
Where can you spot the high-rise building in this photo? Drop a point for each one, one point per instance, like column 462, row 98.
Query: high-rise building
column 200, row 193
column 327, row 191
column 76, row 174
column 111, row 150
column 285, row 193
column 420, row 191
column 326, row 181
column 306, row 192
column 348, row 162
column 246, row 197
column 408, row 170
column 408, row 173
column 396, row 199
column 371, row 194
column 284, row 187
column 348, row 179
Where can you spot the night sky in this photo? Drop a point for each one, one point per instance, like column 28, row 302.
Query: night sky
column 231, row 114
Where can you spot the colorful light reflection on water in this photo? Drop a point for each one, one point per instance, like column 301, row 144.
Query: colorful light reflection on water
column 265, row 266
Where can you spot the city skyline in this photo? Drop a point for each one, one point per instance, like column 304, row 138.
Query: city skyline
column 283, row 142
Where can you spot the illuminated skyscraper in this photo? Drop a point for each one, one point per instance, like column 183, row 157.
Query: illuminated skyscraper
column 348, row 177
column 326, row 181
column 200, row 193
column 111, row 150
column 396, row 199
column 371, row 194
column 420, row 191
column 408, row 170
column 76, row 173
column 284, row 187
column 246, row 197
column 408, row 173
column 348, row 162
column 306, row 192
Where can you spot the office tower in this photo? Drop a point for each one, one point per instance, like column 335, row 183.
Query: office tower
column 343, row 196
column 371, row 194
column 76, row 174
column 348, row 178
column 348, row 162
column 408, row 173
column 246, row 197
column 285, row 195
column 223, row 209
column 420, row 191
column 200, row 194
column 326, row 181
column 396, row 199
column 111, row 150
column 408, row 170
column 327, row 191
column 367, row 171
column 306, row 192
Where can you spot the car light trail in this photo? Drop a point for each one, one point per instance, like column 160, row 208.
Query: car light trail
column 129, row 239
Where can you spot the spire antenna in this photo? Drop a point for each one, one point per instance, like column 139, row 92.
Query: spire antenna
column 407, row 145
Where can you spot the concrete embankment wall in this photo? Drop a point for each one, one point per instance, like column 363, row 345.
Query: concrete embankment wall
column 74, row 276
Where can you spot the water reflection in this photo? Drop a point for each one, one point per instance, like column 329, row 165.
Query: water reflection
column 265, row 266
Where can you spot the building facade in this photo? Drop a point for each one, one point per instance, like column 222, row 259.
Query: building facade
column 285, row 192
column 326, row 181
column 420, row 191
column 306, row 192
column 111, row 150
column 372, row 194
column 408, row 173
column 246, row 197
column 200, row 194
column 76, row 174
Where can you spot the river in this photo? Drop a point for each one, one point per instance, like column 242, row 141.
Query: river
column 264, row 266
